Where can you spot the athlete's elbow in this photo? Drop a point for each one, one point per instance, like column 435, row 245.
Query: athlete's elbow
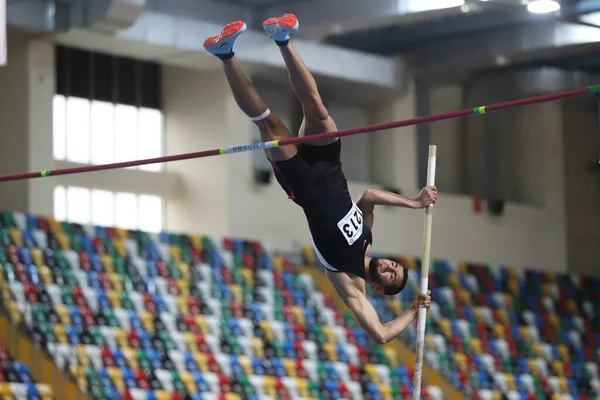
column 365, row 201
column 379, row 337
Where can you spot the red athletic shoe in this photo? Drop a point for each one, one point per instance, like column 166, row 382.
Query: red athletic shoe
column 223, row 42
column 279, row 28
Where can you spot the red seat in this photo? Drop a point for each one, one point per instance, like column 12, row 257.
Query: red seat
column 196, row 255
column 172, row 287
column 87, row 315
column 224, row 383
column 299, row 331
column 43, row 224
column 21, row 271
column 201, row 343
column 30, row 292
column 350, row 336
column 300, row 371
column 237, row 310
column 78, row 296
column 424, row 392
column 176, row 396
column 288, row 297
column 213, row 365
column 299, row 349
column 142, row 379
column 107, row 357
column 248, row 260
column 163, row 270
column 226, row 275
column 190, row 322
column 84, row 262
column 98, row 245
column 111, row 232
column 104, row 281
column 12, row 253
column 363, row 355
column 354, row 372
column 127, row 395
column 149, row 303
column 228, row 244
column 133, row 338
column 405, row 391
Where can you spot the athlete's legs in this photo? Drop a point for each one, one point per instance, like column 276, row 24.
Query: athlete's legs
column 316, row 117
column 246, row 97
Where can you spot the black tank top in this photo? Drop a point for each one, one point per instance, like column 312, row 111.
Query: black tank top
column 336, row 225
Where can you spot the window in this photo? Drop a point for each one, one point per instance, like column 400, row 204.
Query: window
column 103, row 208
column 99, row 132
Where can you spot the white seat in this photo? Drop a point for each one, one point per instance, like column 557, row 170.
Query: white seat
column 212, row 380
column 161, row 285
column 54, row 293
column 592, row 369
column 209, row 396
column 440, row 343
column 310, row 366
column 435, row 393
column 342, row 371
column 214, row 324
column 528, row 382
column 19, row 390
column 108, row 334
column 485, row 394
column 137, row 262
column 542, row 366
column 383, row 373
column 265, row 277
column 307, row 282
column 205, row 273
column 566, row 397
column 513, row 395
column 266, row 293
column 500, row 381
column 472, row 283
column 165, row 251
column 279, row 330
column 40, row 238
column 290, row 385
column 224, row 363
column 227, row 257
column 165, row 378
column 214, row 342
column 464, row 328
column 20, row 220
column 355, row 390
column 138, row 394
column 90, row 230
column 258, row 385
column 246, row 345
column 123, row 317
column 168, row 318
column 177, row 358
column 595, row 384
column 340, row 334
column 214, row 306
column 267, row 310
column 310, row 348
column 95, row 356
column 138, row 301
column 81, row 277
column 179, row 341
column 246, row 326
column 63, row 355
column 18, row 292
column 352, row 353
column 91, row 297
column 73, row 259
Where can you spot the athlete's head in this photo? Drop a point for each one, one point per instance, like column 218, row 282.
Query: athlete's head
column 387, row 276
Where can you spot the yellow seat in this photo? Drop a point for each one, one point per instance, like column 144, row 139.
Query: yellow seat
column 107, row 262
column 563, row 350
column 248, row 277
column 182, row 305
column 267, row 329
column 270, row 388
column 258, row 347
column 185, row 270
column 563, row 385
column 5, row 390
column 45, row 391
column 190, row 341
column 114, row 298
column 202, row 325
column 513, row 287
column 117, row 377
column 502, row 317
column 17, row 236
column 116, row 281
column 386, row 391
column 64, row 241
column 462, row 269
column 298, row 314
column 290, row 367
column 558, row 366
column 60, row 333
column 63, row 314
column 461, row 361
column 330, row 350
column 246, row 364
column 147, row 321
column 537, row 350
column 277, row 263
column 131, row 357
column 232, row 396
column 201, row 361
column 188, row 380
column 302, row 387
column 236, row 293
column 46, row 275
column 554, row 321
column 533, row 367
column 476, row 345
column 309, row 255
column 82, row 356
column 444, row 324
column 498, row 330
column 453, row 278
column 122, row 233
column 329, row 333
column 556, row 396
column 396, row 305
column 371, row 370
column 38, row 256
column 510, row 381
column 162, row 395
column 496, row 395
column 175, row 253
column 15, row 312
column 197, row 242
column 184, row 287
column 120, row 247
column 121, row 337
column 391, row 355
column 464, row 297
column 572, row 307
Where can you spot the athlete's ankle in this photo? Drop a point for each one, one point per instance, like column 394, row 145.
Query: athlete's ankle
column 224, row 57
column 282, row 43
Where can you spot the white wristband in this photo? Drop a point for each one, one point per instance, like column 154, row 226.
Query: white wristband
column 262, row 116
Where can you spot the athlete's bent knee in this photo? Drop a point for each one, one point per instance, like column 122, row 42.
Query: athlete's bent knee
column 315, row 110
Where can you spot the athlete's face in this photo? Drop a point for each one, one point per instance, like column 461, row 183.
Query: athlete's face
column 386, row 274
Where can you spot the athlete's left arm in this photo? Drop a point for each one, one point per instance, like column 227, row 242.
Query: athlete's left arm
column 377, row 197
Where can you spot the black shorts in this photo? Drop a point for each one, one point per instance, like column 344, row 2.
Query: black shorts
column 310, row 172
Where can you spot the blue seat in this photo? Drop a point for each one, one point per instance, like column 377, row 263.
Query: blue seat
column 134, row 319
column 105, row 379
column 165, row 237
column 151, row 395
column 73, row 335
column 309, row 317
column 128, row 377
column 361, row 337
column 32, row 222
column 34, row 275
column 23, row 372
column 96, row 262
column 92, row 277
column 333, row 389
column 76, row 317
column 29, row 239
column 257, row 366
column 151, row 268
column 153, row 357
column 288, row 349
column 190, row 362
column 101, row 232
column 86, row 244
column 372, row 388
column 341, row 353
column 200, row 382
column 25, row 255
column 103, row 302
column 119, row 358
column 278, row 367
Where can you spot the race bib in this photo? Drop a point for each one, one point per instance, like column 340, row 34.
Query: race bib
column 351, row 225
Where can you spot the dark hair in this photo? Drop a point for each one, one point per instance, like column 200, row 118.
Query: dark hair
column 391, row 291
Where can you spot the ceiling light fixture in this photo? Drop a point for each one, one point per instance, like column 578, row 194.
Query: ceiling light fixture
column 543, row 6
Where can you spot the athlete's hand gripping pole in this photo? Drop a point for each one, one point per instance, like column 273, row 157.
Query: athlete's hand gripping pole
column 424, row 278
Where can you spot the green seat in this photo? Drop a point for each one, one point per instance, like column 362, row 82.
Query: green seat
column 3, row 258
column 109, row 247
column 75, row 242
column 97, row 336
column 61, row 261
column 7, row 219
column 119, row 264
column 48, row 332
column 69, row 277
column 9, row 272
column 111, row 318
column 143, row 360
column 313, row 388
column 167, row 340
column 126, row 301
column 66, row 228
column 38, row 313
column 177, row 382
column 66, row 295
column 174, row 270
column 379, row 353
